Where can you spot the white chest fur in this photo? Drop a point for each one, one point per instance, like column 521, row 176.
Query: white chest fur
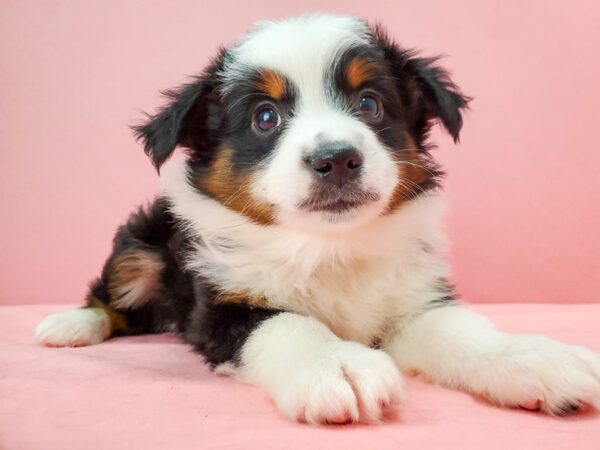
column 357, row 281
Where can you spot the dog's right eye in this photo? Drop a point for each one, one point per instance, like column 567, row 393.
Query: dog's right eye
column 370, row 106
column 266, row 118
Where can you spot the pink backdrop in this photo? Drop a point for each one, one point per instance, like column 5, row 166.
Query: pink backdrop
column 524, row 186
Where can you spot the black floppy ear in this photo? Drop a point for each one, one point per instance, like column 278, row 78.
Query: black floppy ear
column 440, row 98
column 427, row 89
column 189, row 119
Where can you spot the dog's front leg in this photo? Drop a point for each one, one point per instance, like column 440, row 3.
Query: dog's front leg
column 455, row 347
column 316, row 377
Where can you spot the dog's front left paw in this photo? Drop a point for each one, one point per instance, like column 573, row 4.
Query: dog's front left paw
column 73, row 328
column 345, row 382
column 540, row 373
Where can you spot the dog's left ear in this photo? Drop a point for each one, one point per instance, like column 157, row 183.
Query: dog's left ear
column 426, row 89
column 436, row 96
column 190, row 119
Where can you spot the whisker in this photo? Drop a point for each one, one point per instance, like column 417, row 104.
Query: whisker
column 428, row 170
column 377, row 132
column 239, row 100
column 237, row 193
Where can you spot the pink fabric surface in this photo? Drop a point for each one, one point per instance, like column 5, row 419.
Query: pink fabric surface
column 152, row 392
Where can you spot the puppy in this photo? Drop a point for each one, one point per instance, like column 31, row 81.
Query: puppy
column 297, row 247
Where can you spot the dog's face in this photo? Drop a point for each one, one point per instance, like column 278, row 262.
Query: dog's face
column 314, row 122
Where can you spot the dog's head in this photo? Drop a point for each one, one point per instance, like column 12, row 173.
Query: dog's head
column 317, row 121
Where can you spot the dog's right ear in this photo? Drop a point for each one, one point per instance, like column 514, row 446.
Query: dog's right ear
column 190, row 119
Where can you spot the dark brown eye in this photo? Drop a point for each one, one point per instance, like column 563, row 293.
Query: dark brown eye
column 266, row 118
column 370, row 106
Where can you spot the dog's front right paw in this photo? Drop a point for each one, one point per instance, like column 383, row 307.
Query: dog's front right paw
column 345, row 383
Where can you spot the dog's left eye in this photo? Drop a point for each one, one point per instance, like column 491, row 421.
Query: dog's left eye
column 370, row 106
column 266, row 118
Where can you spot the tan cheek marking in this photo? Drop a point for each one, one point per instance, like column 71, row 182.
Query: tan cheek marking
column 358, row 71
column 411, row 176
column 272, row 84
column 219, row 179
column 234, row 191
column 118, row 322
column 242, row 298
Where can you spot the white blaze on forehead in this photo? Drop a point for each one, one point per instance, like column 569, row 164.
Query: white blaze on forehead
column 301, row 48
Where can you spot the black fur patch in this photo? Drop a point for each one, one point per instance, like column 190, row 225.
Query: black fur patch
column 445, row 295
column 219, row 330
column 181, row 301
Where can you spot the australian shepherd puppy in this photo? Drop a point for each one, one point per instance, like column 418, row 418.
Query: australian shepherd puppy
column 297, row 247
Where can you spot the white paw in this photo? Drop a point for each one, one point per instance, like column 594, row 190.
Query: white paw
column 344, row 382
column 73, row 328
column 544, row 374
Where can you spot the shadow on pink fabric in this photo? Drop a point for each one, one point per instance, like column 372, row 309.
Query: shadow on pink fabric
column 153, row 392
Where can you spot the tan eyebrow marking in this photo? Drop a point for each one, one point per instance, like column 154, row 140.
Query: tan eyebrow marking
column 358, row 71
column 272, row 83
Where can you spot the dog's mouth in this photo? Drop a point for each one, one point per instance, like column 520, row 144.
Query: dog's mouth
column 337, row 201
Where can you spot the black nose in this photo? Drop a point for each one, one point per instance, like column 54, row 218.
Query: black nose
column 336, row 166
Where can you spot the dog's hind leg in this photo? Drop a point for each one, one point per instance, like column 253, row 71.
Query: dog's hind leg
column 141, row 290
